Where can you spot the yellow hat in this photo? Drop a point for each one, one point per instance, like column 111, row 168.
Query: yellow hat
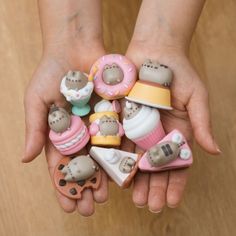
column 151, row 95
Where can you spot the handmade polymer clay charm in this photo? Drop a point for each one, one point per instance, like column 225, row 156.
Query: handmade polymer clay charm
column 73, row 175
column 105, row 128
column 113, row 75
column 142, row 125
column 68, row 133
column 77, row 90
column 152, row 88
column 172, row 152
column 121, row 166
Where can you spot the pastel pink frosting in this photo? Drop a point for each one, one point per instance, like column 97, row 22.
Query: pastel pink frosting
column 72, row 140
column 113, row 91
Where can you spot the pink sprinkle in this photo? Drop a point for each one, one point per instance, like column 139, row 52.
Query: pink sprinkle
column 103, row 58
column 130, row 69
column 126, row 86
column 121, row 58
column 110, row 93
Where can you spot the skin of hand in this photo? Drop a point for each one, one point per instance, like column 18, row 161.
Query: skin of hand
column 67, row 46
column 163, row 41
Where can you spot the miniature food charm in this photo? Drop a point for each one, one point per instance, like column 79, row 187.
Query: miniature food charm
column 113, row 75
column 121, row 166
column 105, row 128
column 73, row 175
column 152, row 88
column 142, row 125
column 68, row 133
column 172, row 152
column 77, row 90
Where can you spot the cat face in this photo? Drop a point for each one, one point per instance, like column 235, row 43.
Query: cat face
column 163, row 153
column 131, row 109
column 154, row 72
column 112, row 74
column 58, row 119
column 108, row 126
column 76, row 80
column 127, row 165
column 79, row 168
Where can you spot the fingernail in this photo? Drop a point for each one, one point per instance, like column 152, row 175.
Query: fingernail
column 140, row 206
column 155, row 212
column 217, row 147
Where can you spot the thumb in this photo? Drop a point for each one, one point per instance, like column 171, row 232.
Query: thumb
column 36, row 126
column 198, row 109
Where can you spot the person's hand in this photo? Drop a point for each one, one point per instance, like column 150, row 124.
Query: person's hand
column 190, row 113
column 43, row 91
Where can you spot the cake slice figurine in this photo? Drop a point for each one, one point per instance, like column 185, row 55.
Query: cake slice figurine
column 77, row 89
column 114, row 75
column 142, row 125
column 152, row 88
column 121, row 166
column 67, row 133
column 105, row 128
column 73, row 175
column 172, row 152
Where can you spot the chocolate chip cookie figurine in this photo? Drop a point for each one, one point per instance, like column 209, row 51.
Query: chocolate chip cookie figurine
column 121, row 166
column 73, row 175
column 105, row 128
column 172, row 152
column 67, row 133
column 77, row 89
column 142, row 125
column 152, row 88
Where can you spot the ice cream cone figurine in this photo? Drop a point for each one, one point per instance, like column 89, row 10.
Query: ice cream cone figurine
column 73, row 175
column 77, row 89
column 172, row 152
column 67, row 133
column 152, row 88
column 121, row 166
column 105, row 128
column 142, row 125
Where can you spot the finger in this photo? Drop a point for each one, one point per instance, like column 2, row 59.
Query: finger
column 199, row 114
column 101, row 194
column 36, row 126
column 53, row 157
column 140, row 189
column 176, row 185
column 157, row 191
column 86, row 205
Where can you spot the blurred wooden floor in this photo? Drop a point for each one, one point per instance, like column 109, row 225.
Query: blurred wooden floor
column 28, row 206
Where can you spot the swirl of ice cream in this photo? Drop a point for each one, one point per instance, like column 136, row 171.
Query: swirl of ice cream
column 140, row 123
column 74, row 95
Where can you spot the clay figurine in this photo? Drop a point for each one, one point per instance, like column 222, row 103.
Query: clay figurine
column 142, row 125
column 105, row 128
column 113, row 75
column 73, row 175
column 152, row 88
column 121, row 166
column 172, row 152
column 77, row 90
column 68, row 133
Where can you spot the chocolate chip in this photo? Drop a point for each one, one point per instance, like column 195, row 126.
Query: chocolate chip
column 81, row 182
column 60, row 167
column 93, row 180
column 73, row 191
column 62, row 182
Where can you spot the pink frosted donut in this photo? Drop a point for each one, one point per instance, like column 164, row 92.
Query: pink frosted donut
column 114, row 75
column 72, row 140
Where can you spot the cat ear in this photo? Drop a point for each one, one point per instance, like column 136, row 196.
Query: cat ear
column 67, row 177
column 64, row 170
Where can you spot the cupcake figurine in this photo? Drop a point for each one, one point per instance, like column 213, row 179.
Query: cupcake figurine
column 67, row 133
column 77, row 89
column 142, row 125
column 105, row 128
column 152, row 88
column 73, row 175
column 172, row 152
column 121, row 166
column 114, row 75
